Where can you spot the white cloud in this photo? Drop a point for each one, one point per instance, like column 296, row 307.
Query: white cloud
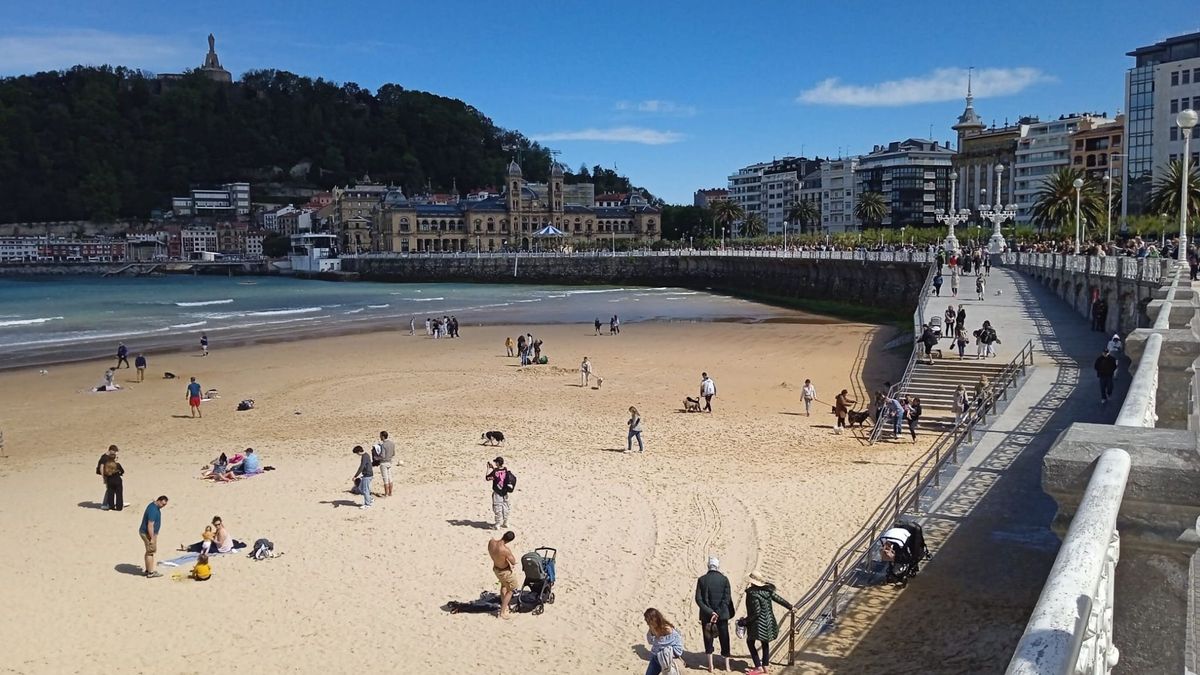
column 943, row 84
column 63, row 49
column 614, row 135
column 657, row 106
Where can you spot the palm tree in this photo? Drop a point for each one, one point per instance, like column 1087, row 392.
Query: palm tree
column 871, row 208
column 753, row 226
column 1054, row 203
column 726, row 213
column 1164, row 196
column 803, row 213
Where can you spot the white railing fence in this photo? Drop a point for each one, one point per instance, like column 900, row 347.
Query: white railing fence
column 1123, row 267
column 1071, row 630
column 923, row 257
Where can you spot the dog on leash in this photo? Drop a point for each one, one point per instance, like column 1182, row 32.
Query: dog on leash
column 493, row 438
column 859, row 417
column 691, row 404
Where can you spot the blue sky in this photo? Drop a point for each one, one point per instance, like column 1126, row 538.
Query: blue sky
column 675, row 94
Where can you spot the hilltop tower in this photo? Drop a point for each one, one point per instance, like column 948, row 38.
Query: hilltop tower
column 212, row 65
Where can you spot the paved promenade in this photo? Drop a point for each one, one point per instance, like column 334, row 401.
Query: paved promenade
column 989, row 526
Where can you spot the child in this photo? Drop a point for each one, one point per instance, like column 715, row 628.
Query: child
column 203, row 545
column 202, row 571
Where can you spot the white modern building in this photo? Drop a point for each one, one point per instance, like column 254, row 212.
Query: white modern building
column 769, row 189
column 19, row 249
column 230, row 199
column 838, row 194
column 197, row 241
column 1164, row 80
column 912, row 175
column 1042, row 149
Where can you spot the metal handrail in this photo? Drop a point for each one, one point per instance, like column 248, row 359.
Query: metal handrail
column 819, row 605
column 918, row 322
column 803, row 254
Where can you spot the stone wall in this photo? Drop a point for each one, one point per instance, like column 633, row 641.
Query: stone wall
column 1127, row 292
column 890, row 286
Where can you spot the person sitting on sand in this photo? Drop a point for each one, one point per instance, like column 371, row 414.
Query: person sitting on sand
column 251, row 464
column 221, row 540
column 218, row 469
column 204, row 545
column 666, row 644
column 202, row 571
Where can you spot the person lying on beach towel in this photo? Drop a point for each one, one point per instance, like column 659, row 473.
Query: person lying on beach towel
column 107, row 384
column 210, row 394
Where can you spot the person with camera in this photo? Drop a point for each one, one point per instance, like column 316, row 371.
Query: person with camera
column 364, row 475
column 504, row 481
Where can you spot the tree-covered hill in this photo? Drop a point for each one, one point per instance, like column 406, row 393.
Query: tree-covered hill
column 102, row 143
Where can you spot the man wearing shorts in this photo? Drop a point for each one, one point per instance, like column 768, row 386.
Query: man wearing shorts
column 149, row 530
column 504, row 564
column 387, row 454
column 193, row 397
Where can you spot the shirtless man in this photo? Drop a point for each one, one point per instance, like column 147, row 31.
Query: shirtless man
column 504, row 564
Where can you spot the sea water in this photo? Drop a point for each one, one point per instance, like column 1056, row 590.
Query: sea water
column 71, row 318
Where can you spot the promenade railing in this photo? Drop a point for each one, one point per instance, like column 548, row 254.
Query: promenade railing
column 924, row 257
column 1123, row 267
column 918, row 322
column 1071, row 628
column 854, row 564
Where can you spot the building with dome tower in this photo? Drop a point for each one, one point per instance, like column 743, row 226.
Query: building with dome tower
column 980, row 150
column 383, row 219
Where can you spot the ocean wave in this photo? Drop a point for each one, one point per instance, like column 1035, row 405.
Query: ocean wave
column 86, row 336
column 188, row 325
column 597, row 290
column 529, row 300
column 422, row 299
column 29, row 322
column 204, row 302
column 353, row 311
column 284, row 312
column 377, row 306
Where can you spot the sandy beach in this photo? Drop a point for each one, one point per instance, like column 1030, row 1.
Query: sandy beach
column 757, row 484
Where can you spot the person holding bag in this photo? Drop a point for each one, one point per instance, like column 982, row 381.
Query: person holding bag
column 715, row 599
column 761, row 625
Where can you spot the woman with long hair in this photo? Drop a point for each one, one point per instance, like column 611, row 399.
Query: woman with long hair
column 666, row 644
column 635, row 430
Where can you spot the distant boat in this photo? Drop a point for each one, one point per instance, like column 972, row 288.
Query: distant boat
column 247, row 283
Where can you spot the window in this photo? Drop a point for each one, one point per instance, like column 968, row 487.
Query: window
column 1174, row 106
column 1175, row 136
column 1175, row 79
column 1187, row 77
column 1196, row 74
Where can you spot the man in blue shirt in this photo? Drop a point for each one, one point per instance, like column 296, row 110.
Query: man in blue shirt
column 149, row 530
column 122, row 355
column 193, row 396
column 140, row 362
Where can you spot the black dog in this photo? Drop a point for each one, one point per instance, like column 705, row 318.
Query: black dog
column 493, row 438
column 859, row 417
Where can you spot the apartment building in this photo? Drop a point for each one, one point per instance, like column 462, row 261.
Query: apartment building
column 1043, row 149
column 913, row 176
column 838, row 195
column 769, row 189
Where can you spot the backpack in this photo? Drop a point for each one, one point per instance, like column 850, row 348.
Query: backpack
column 247, row 404
column 510, row 482
column 263, row 549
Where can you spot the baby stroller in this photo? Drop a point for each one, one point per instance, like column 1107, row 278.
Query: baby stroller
column 538, row 566
column 903, row 548
column 935, row 325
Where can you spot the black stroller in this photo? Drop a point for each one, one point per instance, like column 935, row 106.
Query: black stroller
column 539, row 568
column 903, row 553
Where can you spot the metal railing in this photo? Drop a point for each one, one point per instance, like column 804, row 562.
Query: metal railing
column 820, row 606
column 924, row 257
column 918, row 322
column 1071, row 629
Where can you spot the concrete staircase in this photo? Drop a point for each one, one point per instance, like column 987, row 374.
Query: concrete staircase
column 935, row 384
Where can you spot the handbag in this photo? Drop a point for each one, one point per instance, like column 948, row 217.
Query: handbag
column 710, row 631
column 740, row 628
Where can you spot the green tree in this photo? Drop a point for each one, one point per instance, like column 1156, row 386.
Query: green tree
column 804, row 214
column 1164, row 197
column 276, row 245
column 753, row 226
column 1054, row 203
column 871, row 208
column 725, row 213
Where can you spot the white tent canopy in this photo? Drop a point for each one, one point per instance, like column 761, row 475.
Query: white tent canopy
column 549, row 231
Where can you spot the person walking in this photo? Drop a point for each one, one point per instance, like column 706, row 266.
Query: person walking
column 597, row 326
column 896, row 409
column 204, row 344
column 960, row 319
column 979, row 287
column 954, row 281
column 715, row 599
column 761, row 626
column 1106, row 368
column 122, row 355
column 961, row 405
column 928, row 340
column 412, row 326
column 666, row 644
column 841, row 408
column 585, row 372
column 140, row 364
column 504, row 481
column 961, row 341
column 990, row 339
column 363, row 475
column 114, row 486
column 635, row 430
column 428, row 327
column 193, row 397
column 387, row 455
column 913, row 412
column 508, row 345
column 149, row 530
column 950, row 314
column 987, row 265
column 809, row 394
column 110, row 454
column 708, row 389
column 937, row 283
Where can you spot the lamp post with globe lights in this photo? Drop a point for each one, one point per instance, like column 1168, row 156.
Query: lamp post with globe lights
column 952, row 218
column 1078, row 184
column 998, row 214
column 1186, row 119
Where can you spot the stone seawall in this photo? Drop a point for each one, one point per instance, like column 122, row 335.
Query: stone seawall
column 890, row 286
column 132, row 269
column 1127, row 293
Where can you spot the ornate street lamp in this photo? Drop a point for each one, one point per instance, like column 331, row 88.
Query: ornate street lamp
column 952, row 218
column 997, row 215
